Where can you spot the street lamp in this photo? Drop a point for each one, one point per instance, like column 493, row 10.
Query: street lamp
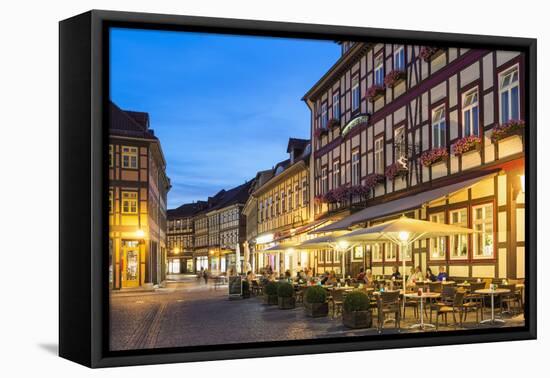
column 176, row 250
column 140, row 234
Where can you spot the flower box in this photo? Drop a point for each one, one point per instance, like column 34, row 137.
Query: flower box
column 320, row 132
column 373, row 179
column 508, row 129
column 333, row 123
column 394, row 171
column 319, row 199
column 375, row 92
column 434, row 156
column 394, row 77
column 467, row 144
column 429, row 53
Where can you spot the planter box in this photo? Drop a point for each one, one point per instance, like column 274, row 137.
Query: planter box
column 271, row 300
column 286, row 303
column 357, row 319
column 316, row 310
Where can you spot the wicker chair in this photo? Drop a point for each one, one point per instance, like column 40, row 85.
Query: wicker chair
column 389, row 303
column 435, row 287
column 457, row 306
column 513, row 297
column 447, row 297
column 337, row 301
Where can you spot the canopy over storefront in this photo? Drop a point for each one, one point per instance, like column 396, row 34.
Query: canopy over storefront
column 399, row 206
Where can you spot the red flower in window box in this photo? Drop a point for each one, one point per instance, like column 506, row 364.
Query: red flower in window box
column 320, row 132
column 428, row 53
column 319, row 199
column 394, row 171
column 466, row 144
column 512, row 127
column 433, row 156
column 333, row 123
column 394, row 77
column 375, row 92
column 360, row 190
column 373, row 179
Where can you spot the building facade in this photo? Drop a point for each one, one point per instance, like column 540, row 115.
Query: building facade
column 393, row 125
column 138, row 188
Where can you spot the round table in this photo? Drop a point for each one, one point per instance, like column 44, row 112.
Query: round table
column 492, row 293
column 424, row 295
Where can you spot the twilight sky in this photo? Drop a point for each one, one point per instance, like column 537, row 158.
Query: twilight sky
column 223, row 107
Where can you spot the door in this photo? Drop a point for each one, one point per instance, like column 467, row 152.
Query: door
column 130, row 267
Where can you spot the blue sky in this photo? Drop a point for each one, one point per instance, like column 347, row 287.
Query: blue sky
column 222, row 106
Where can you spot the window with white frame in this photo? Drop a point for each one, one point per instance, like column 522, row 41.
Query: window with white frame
column 289, row 198
column 391, row 251
column 438, row 246
column 459, row 243
column 379, row 70
column 355, row 168
column 470, row 113
column 379, row 156
column 355, row 94
column 336, row 106
column 483, row 238
column 509, row 95
column 335, row 174
column 399, row 59
column 324, row 180
column 129, row 157
column 297, row 195
column 283, row 201
column 376, row 252
column 438, row 127
column 129, row 202
column 324, row 116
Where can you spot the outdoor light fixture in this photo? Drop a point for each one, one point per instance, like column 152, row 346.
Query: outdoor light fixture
column 403, row 236
column 290, row 250
column 343, row 244
column 176, row 250
column 140, row 234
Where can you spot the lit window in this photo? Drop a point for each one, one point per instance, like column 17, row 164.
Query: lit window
column 391, row 251
column 111, row 156
column 483, row 225
column 297, row 194
column 438, row 246
column 111, row 202
column 376, row 252
column 324, row 116
column 438, row 127
column 129, row 202
column 304, row 192
column 459, row 243
column 379, row 156
column 336, row 106
column 509, row 95
column 129, row 157
column 399, row 59
column 335, row 174
column 470, row 113
column 283, row 207
column 355, row 94
column 289, row 198
column 355, row 171
column 379, row 71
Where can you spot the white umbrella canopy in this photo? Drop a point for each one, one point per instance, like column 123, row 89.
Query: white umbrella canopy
column 282, row 247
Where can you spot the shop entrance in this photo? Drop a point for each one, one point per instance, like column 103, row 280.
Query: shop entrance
column 130, row 265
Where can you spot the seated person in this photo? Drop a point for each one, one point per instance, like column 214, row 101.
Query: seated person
column 395, row 273
column 430, row 276
column 361, row 276
column 369, row 278
column 442, row 276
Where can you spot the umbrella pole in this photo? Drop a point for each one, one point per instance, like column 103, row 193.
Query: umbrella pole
column 404, row 246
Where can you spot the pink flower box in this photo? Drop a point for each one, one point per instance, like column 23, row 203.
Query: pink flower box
column 466, row 144
column 333, row 123
column 374, row 92
column 428, row 53
column 512, row 127
column 395, row 170
column 394, row 77
column 434, row 156
column 373, row 179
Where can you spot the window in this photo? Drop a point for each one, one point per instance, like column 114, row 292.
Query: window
column 509, row 95
column 111, row 202
column 399, row 59
column 324, row 116
column 304, row 192
column 129, row 202
column 470, row 113
column 129, row 157
column 271, row 207
column 355, row 169
column 324, row 180
column 483, row 225
column 379, row 71
column 459, row 243
column 376, row 252
column 335, row 174
column 391, row 251
column 336, row 106
column 438, row 127
column 289, row 198
column 355, row 94
column 111, row 156
column 283, row 204
column 438, row 246
column 379, row 156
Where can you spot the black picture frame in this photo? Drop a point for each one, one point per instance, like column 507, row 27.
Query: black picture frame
column 83, row 283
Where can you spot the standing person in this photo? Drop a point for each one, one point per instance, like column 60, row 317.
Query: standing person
column 442, row 276
column 205, row 276
column 200, row 274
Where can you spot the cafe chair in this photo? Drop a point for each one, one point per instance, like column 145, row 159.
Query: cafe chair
column 457, row 306
column 388, row 304
column 435, row 287
column 509, row 299
column 337, row 301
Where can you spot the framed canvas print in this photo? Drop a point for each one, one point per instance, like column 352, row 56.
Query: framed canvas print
column 234, row 188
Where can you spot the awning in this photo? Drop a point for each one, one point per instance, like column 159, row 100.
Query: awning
column 400, row 205
column 281, row 247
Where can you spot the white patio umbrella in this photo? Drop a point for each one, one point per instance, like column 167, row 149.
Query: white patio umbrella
column 238, row 258
column 404, row 231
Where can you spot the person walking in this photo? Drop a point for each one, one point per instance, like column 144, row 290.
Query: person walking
column 205, row 276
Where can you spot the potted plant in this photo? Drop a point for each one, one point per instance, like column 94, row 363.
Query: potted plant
column 512, row 127
column 428, row 53
column 466, row 144
column 394, row 171
column 373, row 179
column 270, row 293
column 394, row 77
column 433, row 156
column 374, row 92
column 315, row 303
column 286, row 298
column 356, row 310
column 246, row 289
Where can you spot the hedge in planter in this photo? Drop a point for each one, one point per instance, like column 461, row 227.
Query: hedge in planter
column 286, row 298
column 270, row 293
column 246, row 289
column 357, row 312
column 315, row 303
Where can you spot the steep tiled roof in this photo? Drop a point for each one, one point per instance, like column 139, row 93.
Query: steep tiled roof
column 186, row 210
column 123, row 123
column 234, row 196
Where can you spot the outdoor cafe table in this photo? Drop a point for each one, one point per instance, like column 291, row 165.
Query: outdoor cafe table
column 424, row 295
column 492, row 293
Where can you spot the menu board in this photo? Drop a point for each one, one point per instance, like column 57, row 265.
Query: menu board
column 235, row 286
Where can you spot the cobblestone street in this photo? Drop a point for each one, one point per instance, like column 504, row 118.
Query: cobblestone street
column 188, row 313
